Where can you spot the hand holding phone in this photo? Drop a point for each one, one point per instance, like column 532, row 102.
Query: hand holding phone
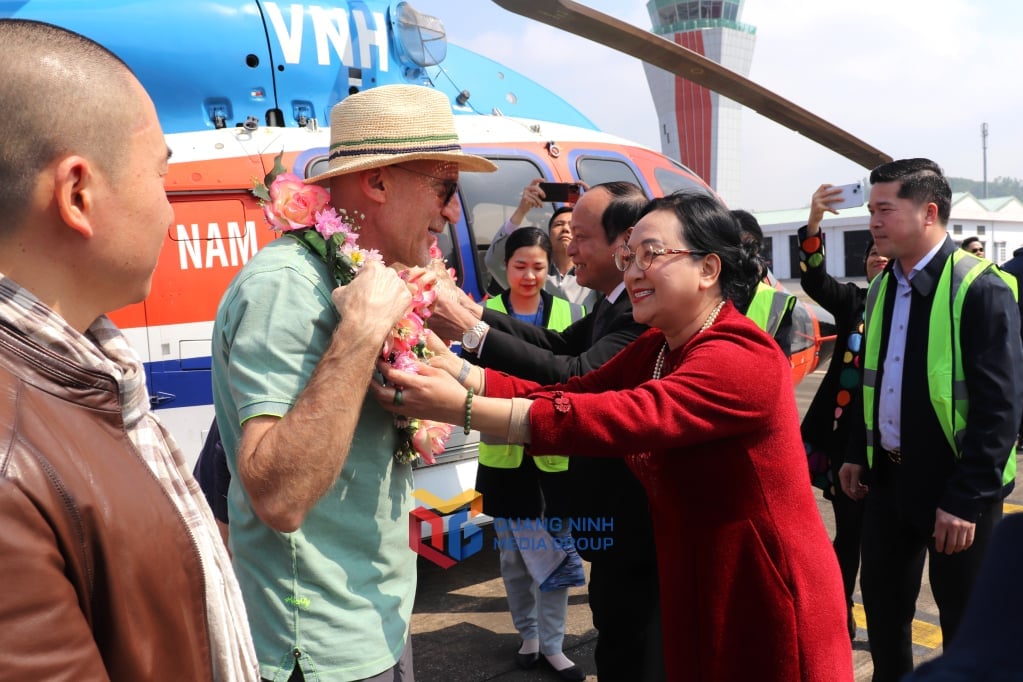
column 563, row 192
column 850, row 197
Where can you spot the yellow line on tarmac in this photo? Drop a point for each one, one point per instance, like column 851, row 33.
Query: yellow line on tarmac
column 924, row 634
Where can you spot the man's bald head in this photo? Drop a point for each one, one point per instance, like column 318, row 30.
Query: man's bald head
column 64, row 94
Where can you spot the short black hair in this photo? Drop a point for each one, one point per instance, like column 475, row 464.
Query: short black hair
column 524, row 237
column 866, row 252
column 55, row 82
column 921, row 180
column 965, row 245
column 627, row 203
column 558, row 211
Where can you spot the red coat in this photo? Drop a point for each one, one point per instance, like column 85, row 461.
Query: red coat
column 750, row 587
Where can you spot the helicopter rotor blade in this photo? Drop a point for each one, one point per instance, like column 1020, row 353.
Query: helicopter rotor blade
column 693, row 66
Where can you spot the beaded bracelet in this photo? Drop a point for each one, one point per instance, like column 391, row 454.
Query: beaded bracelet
column 468, row 412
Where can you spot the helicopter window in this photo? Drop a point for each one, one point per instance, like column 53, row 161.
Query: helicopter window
column 803, row 336
column 672, row 181
column 594, row 171
column 318, row 165
column 489, row 199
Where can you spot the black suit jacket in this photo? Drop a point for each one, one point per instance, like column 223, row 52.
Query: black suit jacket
column 931, row 475
column 550, row 357
column 593, row 487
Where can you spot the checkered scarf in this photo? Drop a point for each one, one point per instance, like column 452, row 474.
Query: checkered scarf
column 104, row 348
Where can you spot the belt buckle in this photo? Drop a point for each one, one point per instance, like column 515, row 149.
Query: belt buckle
column 895, row 456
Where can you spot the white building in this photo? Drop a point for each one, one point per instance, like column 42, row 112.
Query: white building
column 998, row 222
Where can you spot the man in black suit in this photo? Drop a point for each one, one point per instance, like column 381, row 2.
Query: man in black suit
column 623, row 577
column 942, row 396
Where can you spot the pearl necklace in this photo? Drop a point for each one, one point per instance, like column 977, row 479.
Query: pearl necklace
column 659, row 365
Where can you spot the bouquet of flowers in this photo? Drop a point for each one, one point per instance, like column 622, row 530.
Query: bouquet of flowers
column 304, row 211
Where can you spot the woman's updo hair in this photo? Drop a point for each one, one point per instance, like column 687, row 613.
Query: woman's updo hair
column 525, row 237
column 709, row 226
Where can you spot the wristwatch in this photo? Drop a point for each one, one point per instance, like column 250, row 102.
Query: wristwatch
column 472, row 339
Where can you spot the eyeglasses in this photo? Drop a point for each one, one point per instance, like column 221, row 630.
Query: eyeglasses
column 645, row 254
column 450, row 186
column 976, row 249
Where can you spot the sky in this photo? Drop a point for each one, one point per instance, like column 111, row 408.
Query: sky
column 910, row 77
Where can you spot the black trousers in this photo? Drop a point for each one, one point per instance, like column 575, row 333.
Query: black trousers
column 893, row 556
column 624, row 599
column 848, row 537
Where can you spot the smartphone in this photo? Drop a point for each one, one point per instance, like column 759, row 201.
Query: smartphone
column 561, row 191
column 852, row 195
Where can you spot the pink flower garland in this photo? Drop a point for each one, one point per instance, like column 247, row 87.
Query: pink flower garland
column 290, row 205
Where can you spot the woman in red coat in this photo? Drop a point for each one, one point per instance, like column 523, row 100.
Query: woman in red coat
column 703, row 409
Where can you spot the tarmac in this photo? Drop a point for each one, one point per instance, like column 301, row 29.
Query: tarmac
column 462, row 631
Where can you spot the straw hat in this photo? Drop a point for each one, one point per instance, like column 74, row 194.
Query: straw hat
column 393, row 124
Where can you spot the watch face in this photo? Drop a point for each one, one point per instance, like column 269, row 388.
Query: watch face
column 471, row 339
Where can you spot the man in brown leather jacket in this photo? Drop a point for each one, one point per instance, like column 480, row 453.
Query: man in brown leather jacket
column 112, row 566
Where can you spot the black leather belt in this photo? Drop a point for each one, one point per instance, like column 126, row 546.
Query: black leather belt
column 894, row 456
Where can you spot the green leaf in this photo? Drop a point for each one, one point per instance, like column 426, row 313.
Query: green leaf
column 275, row 171
column 260, row 191
column 341, row 266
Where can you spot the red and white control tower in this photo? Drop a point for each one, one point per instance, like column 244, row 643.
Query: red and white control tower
column 698, row 127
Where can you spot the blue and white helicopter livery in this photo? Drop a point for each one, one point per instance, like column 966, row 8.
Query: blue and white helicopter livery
column 235, row 82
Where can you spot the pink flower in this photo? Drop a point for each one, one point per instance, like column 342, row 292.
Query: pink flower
column 429, row 440
column 328, row 223
column 420, row 285
column 407, row 334
column 293, row 204
column 435, row 252
column 406, row 362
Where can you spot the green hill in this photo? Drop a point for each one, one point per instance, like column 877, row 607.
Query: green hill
column 999, row 187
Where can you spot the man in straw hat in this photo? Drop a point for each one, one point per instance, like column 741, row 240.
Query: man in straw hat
column 319, row 522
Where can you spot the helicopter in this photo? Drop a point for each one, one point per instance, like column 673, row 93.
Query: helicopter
column 238, row 82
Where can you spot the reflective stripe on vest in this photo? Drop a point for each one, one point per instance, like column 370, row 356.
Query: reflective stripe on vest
column 769, row 306
column 946, row 381
column 500, row 455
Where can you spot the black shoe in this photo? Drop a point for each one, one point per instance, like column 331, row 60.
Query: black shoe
column 526, row 661
column 573, row 674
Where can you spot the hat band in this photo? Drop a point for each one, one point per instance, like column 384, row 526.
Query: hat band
column 394, row 150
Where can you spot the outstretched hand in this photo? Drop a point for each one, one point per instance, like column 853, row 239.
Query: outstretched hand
column 432, row 393
column 453, row 313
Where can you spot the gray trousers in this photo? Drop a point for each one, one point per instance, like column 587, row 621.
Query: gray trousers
column 536, row 614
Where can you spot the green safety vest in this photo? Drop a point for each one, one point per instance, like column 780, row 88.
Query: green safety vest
column 769, row 307
column 500, row 455
column 946, row 382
